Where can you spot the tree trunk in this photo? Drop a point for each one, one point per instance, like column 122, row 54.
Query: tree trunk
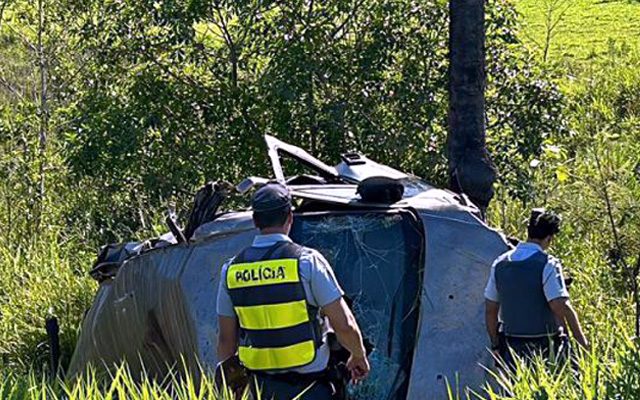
column 471, row 170
column 43, row 111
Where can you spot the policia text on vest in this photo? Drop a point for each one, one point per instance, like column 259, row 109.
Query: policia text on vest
column 263, row 273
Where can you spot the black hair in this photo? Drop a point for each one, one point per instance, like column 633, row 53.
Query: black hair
column 271, row 218
column 543, row 224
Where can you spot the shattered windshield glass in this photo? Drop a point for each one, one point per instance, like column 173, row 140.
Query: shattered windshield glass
column 376, row 257
column 413, row 186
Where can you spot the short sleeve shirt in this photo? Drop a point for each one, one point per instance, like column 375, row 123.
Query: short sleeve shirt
column 318, row 279
column 552, row 277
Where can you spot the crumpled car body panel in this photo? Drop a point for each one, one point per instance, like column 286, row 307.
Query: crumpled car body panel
column 426, row 320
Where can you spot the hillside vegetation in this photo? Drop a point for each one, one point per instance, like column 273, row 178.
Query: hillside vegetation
column 585, row 30
column 112, row 111
column 591, row 175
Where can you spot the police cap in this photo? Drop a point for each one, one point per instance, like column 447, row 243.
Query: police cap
column 271, row 197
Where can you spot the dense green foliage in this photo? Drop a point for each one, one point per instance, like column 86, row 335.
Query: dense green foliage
column 140, row 89
column 110, row 111
column 613, row 377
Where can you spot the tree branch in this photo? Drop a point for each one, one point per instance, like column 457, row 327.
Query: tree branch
column 230, row 43
column 10, row 88
column 43, row 106
column 26, row 41
column 605, row 191
column 344, row 23
column 631, row 273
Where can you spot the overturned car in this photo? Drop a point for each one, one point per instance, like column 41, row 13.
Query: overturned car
column 413, row 264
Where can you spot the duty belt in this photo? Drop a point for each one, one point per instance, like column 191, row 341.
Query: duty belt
column 294, row 377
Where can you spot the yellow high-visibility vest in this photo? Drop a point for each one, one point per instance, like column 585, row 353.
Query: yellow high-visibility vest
column 278, row 328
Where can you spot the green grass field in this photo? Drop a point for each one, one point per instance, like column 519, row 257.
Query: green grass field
column 587, row 29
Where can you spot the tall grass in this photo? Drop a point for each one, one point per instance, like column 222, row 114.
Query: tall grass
column 121, row 385
column 592, row 177
column 40, row 277
column 588, row 376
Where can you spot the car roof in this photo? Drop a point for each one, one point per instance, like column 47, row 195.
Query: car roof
column 336, row 189
column 430, row 198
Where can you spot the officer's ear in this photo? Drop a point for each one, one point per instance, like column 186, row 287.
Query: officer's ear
column 290, row 218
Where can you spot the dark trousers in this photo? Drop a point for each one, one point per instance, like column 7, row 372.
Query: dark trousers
column 290, row 386
column 555, row 349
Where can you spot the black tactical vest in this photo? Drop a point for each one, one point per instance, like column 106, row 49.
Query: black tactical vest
column 524, row 308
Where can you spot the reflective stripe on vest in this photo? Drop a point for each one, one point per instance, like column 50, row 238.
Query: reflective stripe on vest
column 279, row 357
column 276, row 329
column 273, row 316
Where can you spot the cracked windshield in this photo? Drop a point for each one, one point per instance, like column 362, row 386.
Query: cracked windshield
column 376, row 258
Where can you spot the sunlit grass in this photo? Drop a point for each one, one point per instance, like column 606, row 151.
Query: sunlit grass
column 121, row 385
column 40, row 277
column 587, row 30
column 588, row 376
column 603, row 373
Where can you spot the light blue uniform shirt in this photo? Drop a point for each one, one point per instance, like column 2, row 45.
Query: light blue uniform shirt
column 320, row 285
column 552, row 278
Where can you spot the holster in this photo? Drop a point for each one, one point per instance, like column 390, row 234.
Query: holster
column 338, row 376
column 337, row 372
column 232, row 374
column 503, row 348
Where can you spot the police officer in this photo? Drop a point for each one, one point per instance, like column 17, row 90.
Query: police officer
column 526, row 287
column 273, row 302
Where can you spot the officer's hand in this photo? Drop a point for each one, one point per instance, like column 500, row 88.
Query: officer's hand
column 359, row 368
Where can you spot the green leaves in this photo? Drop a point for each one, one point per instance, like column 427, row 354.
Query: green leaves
column 167, row 94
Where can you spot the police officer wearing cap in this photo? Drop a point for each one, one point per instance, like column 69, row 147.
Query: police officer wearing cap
column 526, row 295
column 273, row 304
